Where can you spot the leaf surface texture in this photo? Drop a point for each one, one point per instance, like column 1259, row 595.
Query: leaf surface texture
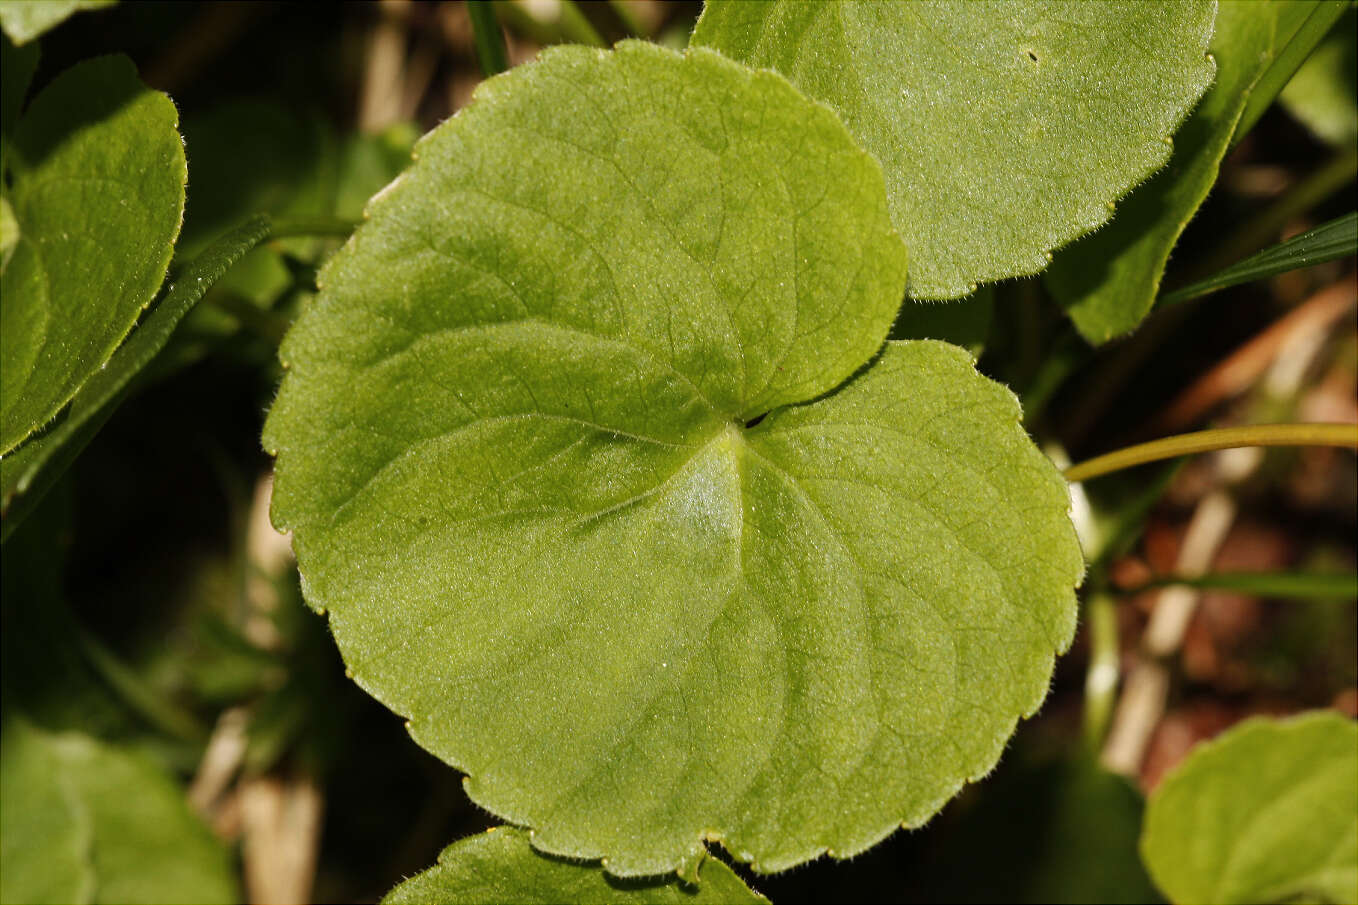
column 1005, row 130
column 1108, row 281
column 1268, row 812
column 501, row 866
column 97, row 197
column 516, row 446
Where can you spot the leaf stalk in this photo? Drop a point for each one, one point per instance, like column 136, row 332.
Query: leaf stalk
column 1218, row 438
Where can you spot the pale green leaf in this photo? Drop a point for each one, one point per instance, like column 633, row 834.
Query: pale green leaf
column 98, row 192
column 85, row 821
column 513, row 448
column 45, row 833
column 24, row 20
column 30, row 470
column 1324, row 92
column 1108, row 281
column 1268, row 812
column 1005, row 129
column 9, row 231
column 1335, row 239
column 501, row 866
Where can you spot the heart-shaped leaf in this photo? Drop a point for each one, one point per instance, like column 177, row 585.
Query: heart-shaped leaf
column 1266, row 813
column 97, row 197
column 517, row 448
column 1005, row 129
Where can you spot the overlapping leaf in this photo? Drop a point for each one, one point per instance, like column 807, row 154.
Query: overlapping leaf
column 88, row 822
column 1108, row 281
column 24, row 20
column 1324, row 92
column 517, row 448
column 97, row 196
column 501, row 866
column 1005, row 129
column 1266, row 813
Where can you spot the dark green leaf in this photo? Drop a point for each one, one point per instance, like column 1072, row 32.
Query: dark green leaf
column 1324, row 92
column 27, row 472
column 1108, row 281
column 98, row 192
column 964, row 323
column 1299, row 32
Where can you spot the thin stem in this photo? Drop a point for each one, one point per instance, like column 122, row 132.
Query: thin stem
column 1220, row 438
column 264, row 324
column 1293, row 585
column 311, row 226
column 1101, row 678
column 489, row 39
column 577, row 26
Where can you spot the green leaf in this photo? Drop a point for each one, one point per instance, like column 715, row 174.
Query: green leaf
column 501, row 866
column 1324, row 92
column 964, row 323
column 45, row 834
column 1005, row 130
column 29, row 471
column 1335, row 239
column 85, row 821
column 1300, row 29
column 24, row 20
column 98, row 192
column 513, row 446
column 1267, row 812
column 1108, row 282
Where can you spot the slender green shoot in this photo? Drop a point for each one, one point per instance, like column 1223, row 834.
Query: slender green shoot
column 1294, row 585
column 1219, row 438
column 1101, row 676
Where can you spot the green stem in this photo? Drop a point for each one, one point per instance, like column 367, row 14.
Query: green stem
column 264, row 324
column 1220, row 438
column 1101, row 677
column 1294, row 585
column 311, row 226
column 489, row 39
column 577, row 26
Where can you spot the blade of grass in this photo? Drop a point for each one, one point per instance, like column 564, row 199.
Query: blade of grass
column 489, row 39
column 1335, row 239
